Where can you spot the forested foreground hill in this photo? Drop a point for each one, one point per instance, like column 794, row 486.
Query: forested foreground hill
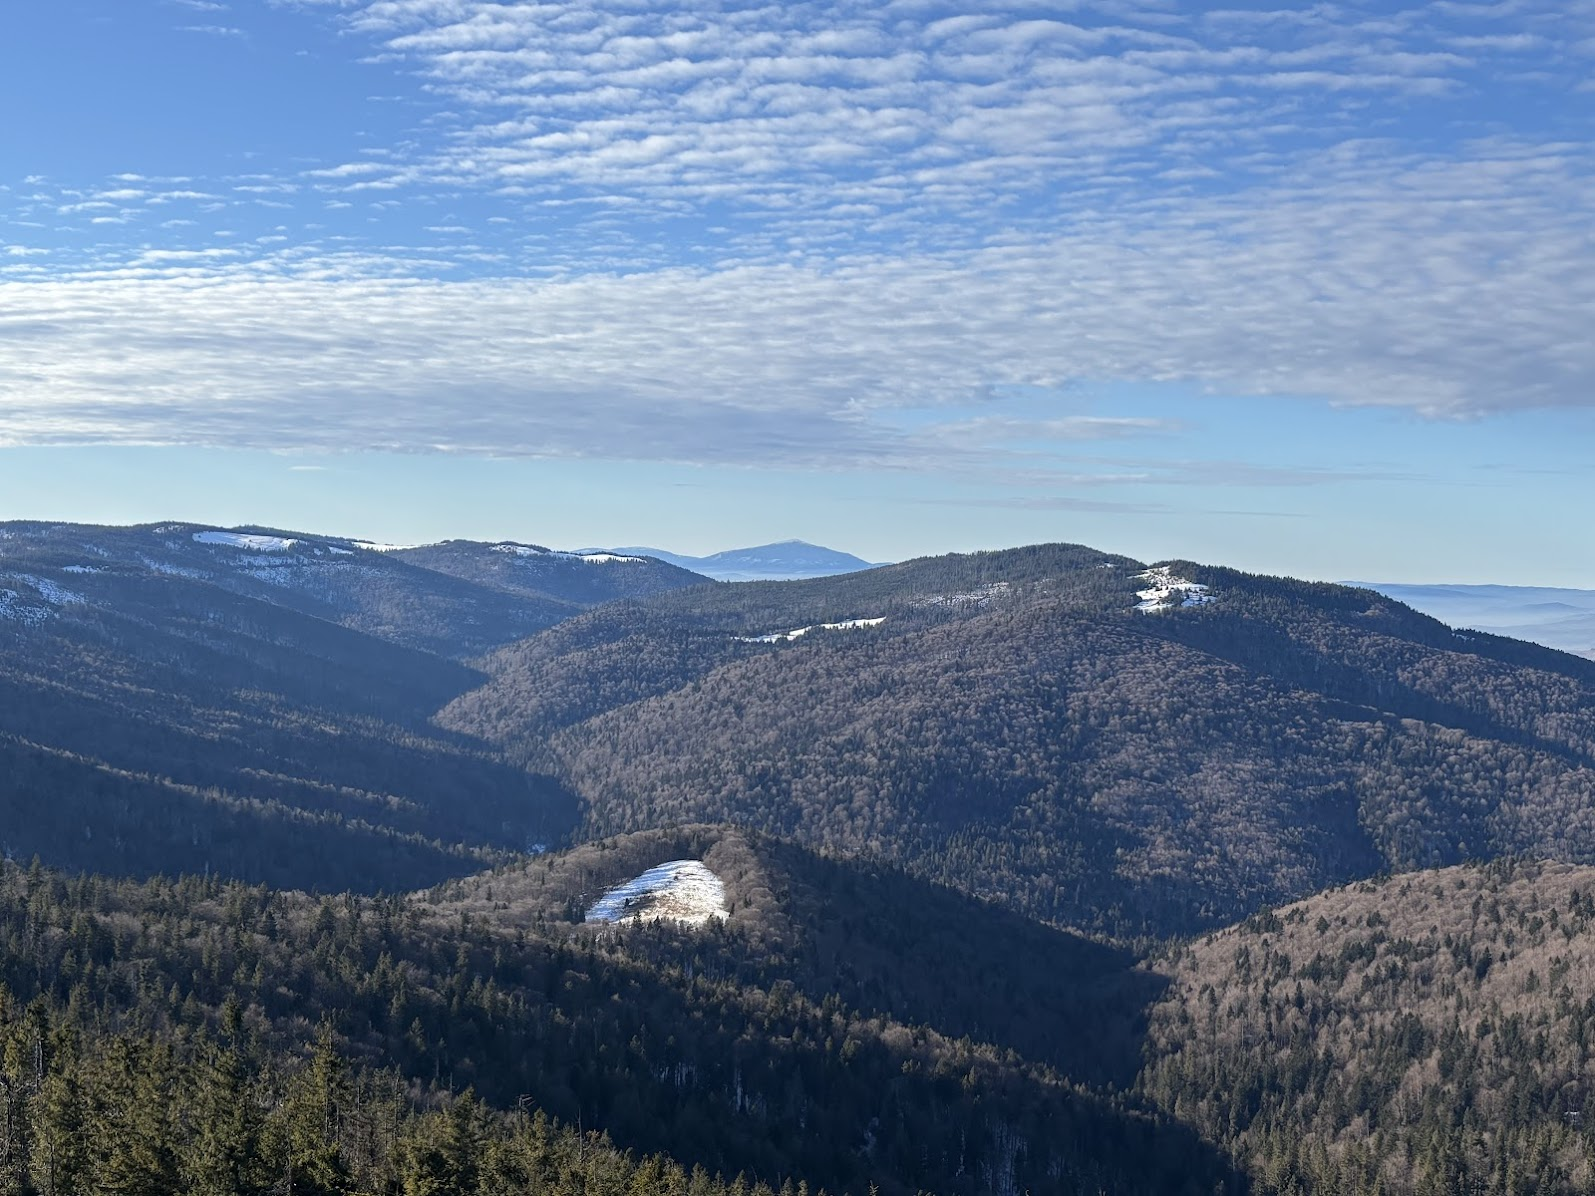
column 1428, row 1033
column 847, row 1026
column 1059, row 729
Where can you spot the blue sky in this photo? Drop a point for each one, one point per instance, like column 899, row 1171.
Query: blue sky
column 1305, row 290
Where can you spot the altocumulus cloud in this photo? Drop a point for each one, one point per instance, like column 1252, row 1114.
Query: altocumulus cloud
column 1453, row 292
column 922, row 206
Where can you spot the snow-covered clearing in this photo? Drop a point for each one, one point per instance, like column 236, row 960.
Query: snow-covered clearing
column 680, row 891
column 522, row 550
column 780, row 637
column 250, row 543
column 978, row 597
column 1167, row 591
column 534, row 550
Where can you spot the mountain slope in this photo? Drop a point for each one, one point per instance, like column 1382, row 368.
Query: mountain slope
column 1422, row 1033
column 1558, row 618
column 153, row 717
column 328, row 578
column 1063, row 730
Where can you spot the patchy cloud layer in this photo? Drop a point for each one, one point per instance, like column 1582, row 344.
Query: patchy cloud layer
column 759, row 234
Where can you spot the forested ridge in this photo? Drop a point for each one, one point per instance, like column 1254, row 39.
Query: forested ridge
column 1425, row 1033
column 169, row 704
column 538, row 572
column 1017, row 728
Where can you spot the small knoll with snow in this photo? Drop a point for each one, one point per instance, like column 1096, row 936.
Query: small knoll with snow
column 536, row 550
column 786, row 637
column 681, row 891
column 246, row 541
column 372, row 546
column 1166, row 592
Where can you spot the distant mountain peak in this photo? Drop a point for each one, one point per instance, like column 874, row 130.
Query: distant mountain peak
column 780, row 560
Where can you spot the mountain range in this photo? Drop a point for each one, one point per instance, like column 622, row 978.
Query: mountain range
column 1061, row 729
column 1044, row 869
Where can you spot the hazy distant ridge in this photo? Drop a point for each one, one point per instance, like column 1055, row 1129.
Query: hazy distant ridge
column 786, row 560
column 1558, row 618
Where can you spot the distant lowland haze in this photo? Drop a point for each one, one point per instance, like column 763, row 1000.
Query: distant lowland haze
column 787, row 560
column 1557, row 618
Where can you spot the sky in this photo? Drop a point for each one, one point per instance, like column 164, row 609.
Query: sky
column 1305, row 290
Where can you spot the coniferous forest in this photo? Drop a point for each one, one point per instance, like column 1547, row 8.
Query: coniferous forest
column 1030, row 883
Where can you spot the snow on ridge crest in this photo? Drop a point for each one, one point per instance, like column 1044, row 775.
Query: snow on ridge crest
column 248, row 542
column 1167, row 591
column 681, row 891
column 533, row 550
column 779, row 637
column 512, row 549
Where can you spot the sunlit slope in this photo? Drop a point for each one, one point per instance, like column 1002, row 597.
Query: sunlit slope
column 1424, row 1033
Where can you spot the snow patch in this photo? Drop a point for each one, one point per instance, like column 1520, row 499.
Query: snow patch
column 371, row 546
column 173, row 570
column 533, row 550
column 17, row 609
column 779, row 637
column 83, row 569
column 249, row 543
column 522, row 550
column 977, row 597
column 680, row 891
column 53, row 594
column 1167, row 591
